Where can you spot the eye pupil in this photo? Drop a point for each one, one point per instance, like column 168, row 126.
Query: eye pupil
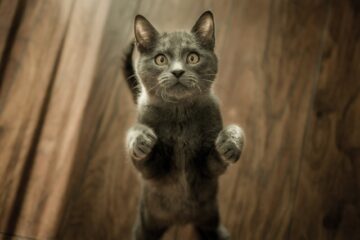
column 160, row 60
column 193, row 58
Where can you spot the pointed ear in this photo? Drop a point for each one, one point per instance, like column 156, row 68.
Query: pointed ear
column 204, row 30
column 145, row 34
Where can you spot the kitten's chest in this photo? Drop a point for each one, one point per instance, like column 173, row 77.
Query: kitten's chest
column 184, row 133
column 181, row 130
column 184, row 137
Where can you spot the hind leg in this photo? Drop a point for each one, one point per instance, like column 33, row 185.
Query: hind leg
column 217, row 233
column 211, row 229
column 147, row 227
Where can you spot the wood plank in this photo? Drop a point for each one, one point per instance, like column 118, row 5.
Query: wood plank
column 328, row 203
column 26, row 82
column 8, row 10
column 267, row 76
column 289, row 74
column 102, row 179
column 4, row 236
column 54, row 157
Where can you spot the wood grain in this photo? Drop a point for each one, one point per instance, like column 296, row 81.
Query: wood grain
column 102, row 180
column 54, row 157
column 10, row 11
column 329, row 186
column 25, row 86
column 288, row 73
column 268, row 92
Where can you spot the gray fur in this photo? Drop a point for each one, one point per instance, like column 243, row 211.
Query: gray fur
column 179, row 144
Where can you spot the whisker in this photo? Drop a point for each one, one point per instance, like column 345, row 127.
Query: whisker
column 154, row 86
column 197, row 86
column 137, row 86
column 157, row 92
column 163, row 96
column 163, row 78
column 207, row 80
column 210, row 74
column 211, row 81
column 131, row 76
column 166, row 98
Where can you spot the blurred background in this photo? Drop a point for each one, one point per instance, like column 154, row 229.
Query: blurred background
column 289, row 74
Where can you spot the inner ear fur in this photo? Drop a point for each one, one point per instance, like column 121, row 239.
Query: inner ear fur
column 204, row 30
column 145, row 33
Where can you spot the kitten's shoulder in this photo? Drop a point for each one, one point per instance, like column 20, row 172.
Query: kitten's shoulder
column 215, row 99
column 211, row 101
column 210, row 108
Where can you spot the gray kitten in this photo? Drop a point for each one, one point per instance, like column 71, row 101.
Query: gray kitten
column 178, row 144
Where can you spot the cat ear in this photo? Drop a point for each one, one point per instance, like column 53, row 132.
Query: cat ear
column 204, row 30
column 145, row 33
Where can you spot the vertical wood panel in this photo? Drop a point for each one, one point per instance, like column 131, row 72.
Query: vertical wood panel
column 267, row 82
column 54, row 157
column 25, row 85
column 7, row 14
column 102, row 179
column 328, row 200
column 289, row 74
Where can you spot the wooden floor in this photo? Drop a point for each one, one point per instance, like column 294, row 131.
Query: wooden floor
column 289, row 74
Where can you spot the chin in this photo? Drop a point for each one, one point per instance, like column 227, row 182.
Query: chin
column 179, row 93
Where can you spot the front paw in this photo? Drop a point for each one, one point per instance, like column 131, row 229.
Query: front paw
column 230, row 142
column 140, row 141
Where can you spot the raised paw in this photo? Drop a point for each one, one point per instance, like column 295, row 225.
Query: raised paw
column 140, row 141
column 230, row 142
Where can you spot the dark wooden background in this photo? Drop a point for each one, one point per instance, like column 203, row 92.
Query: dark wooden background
column 289, row 74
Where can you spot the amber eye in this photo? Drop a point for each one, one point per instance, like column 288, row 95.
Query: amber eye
column 160, row 60
column 193, row 58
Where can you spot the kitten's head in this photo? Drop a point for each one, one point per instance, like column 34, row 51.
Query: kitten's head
column 178, row 65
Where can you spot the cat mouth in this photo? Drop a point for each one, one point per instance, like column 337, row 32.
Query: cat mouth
column 187, row 83
column 175, row 92
column 178, row 89
column 178, row 84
